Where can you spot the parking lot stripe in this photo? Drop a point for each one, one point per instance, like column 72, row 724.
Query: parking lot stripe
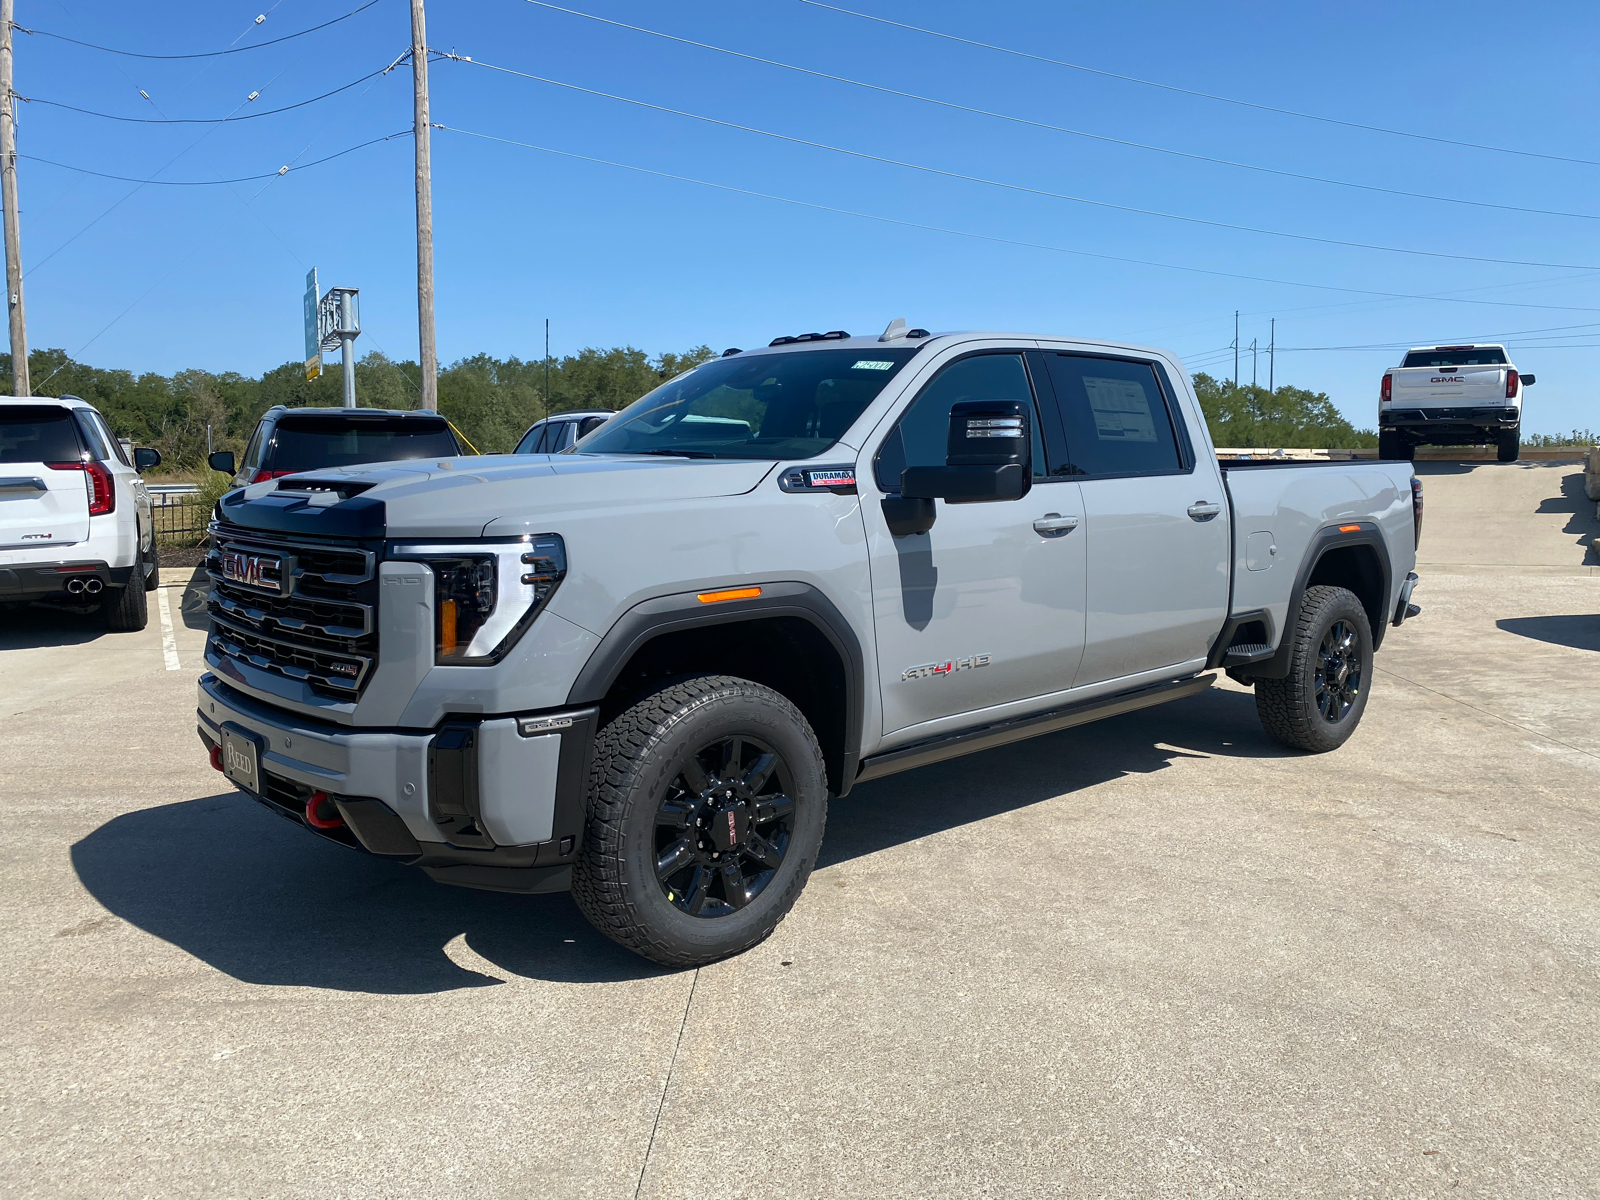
column 169, row 644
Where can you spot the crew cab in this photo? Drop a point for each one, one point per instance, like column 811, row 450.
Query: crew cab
column 639, row 668
column 75, row 520
column 1451, row 396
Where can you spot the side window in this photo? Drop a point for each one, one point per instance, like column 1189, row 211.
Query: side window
column 93, row 438
column 252, row 452
column 1115, row 415
column 109, row 437
column 921, row 436
column 530, row 441
column 562, row 437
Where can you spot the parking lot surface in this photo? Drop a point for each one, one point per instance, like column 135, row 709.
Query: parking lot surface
column 1157, row 956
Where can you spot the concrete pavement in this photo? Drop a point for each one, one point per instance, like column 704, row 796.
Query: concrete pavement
column 1159, row 956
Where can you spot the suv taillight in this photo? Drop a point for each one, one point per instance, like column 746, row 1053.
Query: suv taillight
column 1511, row 385
column 260, row 475
column 102, row 490
column 1416, row 508
column 1384, row 392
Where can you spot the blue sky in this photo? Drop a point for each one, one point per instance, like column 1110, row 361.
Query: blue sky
column 211, row 277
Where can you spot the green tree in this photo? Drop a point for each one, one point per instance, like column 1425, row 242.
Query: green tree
column 1290, row 416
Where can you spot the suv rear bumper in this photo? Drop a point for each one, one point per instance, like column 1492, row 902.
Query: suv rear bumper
column 500, row 808
column 44, row 581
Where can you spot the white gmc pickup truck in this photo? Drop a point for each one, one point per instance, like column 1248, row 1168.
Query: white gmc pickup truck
column 1451, row 396
column 640, row 667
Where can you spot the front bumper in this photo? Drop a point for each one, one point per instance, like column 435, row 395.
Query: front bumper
column 494, row 803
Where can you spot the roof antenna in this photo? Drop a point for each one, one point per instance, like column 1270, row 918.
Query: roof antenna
column 896, row 329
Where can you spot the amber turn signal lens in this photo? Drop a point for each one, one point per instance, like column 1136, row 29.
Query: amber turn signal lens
column 447, row 627
column 729, row 594
column 1349, row 529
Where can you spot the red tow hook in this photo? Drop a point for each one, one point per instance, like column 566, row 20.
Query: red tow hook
column 216, row 757
column 314, row 813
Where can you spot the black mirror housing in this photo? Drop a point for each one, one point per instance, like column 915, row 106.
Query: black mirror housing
column 1528, row 381
column 222, row 461
column 145, row 459
column 988, row 456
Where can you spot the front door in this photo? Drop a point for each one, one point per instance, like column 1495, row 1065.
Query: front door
column 987, row 607
column 1156, row 525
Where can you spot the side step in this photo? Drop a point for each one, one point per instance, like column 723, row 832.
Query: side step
column 1002, row 733
column 1238, row 656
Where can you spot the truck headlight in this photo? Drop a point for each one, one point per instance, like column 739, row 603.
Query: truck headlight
column 486, row 594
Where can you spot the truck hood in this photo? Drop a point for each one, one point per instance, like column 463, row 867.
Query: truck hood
column 461, row 497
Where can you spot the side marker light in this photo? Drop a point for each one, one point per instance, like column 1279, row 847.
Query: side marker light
column 1349, row 529
column 749, row 593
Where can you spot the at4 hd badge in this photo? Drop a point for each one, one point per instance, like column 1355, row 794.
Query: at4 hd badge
column 935, row 670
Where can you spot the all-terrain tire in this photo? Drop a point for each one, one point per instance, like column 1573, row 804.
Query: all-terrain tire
column 1509, row 444
column 1391, row 445
column 1296, row 710
column 126, row 609
column 639, row 761
column 152, row 579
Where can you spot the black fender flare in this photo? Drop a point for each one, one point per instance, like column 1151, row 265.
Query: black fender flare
column 649, row 619
column 1331, row 537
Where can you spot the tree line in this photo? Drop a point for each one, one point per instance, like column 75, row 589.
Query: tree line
column 492, row 401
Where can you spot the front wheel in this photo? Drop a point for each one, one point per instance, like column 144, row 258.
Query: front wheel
column 707, row 802
column 1319, row 704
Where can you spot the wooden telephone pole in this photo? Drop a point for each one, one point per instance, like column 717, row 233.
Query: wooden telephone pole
column 419, row 72
column 8, row 198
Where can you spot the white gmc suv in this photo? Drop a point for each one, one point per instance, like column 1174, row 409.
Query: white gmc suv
column 75, row 521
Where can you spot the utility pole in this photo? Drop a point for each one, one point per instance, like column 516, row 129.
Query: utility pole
column 1272, row 359
column 428, row 351
column 348, row 329
column 8, row 198
column 547, row 368
column 1236, row 348
column 1252, row 362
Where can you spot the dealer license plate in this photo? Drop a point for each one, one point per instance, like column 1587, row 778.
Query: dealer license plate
column 241, row 758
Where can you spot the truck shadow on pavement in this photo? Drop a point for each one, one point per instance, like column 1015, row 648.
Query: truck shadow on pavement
column 1580, row 631
column 1574, row 500
column 37, row 627
column 266, row 902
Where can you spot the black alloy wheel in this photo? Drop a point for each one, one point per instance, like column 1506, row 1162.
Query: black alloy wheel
column 724, row 826
column 1339, row 673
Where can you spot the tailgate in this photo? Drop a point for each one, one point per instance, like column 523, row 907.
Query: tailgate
column 1454, row 387
column 40, row 506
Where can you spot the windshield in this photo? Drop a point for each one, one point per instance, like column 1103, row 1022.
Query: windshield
column 1479, row 356
column 768, row 406
column 309, row 443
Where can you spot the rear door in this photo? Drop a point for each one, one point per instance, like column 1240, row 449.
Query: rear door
column 1156, row 521
column 41, row 506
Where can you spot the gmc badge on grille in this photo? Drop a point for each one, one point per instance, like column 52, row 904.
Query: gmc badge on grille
column 251, row 570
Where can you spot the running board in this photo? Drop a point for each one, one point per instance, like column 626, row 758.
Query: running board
column 1002, row 733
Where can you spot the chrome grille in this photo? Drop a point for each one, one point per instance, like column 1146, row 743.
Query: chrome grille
column 311, row 616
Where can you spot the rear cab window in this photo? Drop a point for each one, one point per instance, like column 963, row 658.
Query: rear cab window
column 38, row 433
column 1470, row 356
column 308, row 443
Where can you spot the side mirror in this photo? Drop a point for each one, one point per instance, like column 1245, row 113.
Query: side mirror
column 988, row 457
column 145, row 459
column 1528, row 381
column 222, row 461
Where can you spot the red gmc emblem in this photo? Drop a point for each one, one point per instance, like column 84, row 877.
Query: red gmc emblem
column 249, row 569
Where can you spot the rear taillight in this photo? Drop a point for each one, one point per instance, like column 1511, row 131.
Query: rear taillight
column 1511, row 385
column 1384, row 392
column 260, row 475
column 1416, row 508
column 102, row 491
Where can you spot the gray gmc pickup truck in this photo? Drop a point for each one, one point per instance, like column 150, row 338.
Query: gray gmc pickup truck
column 639, row 668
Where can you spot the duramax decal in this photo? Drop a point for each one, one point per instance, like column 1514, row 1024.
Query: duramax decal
column 934, row 670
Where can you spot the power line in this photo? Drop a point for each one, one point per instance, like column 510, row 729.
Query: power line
column 986, row 237
column 1015, row 187
column 1287, row 112
column 1000, row 116
column 285, row 170
column 205, row 54
column 89, row 112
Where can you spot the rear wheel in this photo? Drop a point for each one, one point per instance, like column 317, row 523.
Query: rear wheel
column 1509, row 444
column 1319, row 704
column 125, row 610
column 1391, row 445
column 706, row 809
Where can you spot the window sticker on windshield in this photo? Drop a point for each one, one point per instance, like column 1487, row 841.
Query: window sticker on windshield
column 871, row 364
column 1121, row 410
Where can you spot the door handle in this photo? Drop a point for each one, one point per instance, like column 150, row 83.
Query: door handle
column 1054, row 525
column 1204, row 510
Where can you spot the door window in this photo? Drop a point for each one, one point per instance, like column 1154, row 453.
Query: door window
column 1115, row 416
column 922, row 435
column 252, row 452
